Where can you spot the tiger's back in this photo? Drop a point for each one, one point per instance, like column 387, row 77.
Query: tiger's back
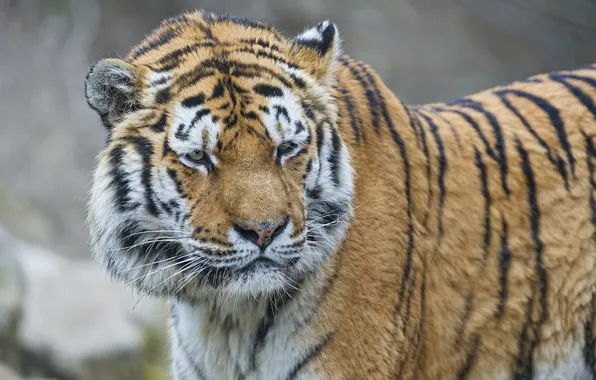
column 492, row 270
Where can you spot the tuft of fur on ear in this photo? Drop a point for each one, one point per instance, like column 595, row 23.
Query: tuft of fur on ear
column 316, row 49
column 111, row 89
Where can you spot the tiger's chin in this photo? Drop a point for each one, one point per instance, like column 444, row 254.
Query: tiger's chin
column 260, row 278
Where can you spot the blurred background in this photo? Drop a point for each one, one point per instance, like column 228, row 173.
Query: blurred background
column 59, row 316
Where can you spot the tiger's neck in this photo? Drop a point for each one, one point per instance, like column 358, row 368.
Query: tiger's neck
column 387, row 247
column 226, row 338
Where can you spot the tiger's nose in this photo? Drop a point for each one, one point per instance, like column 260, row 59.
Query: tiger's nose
column 261, row 234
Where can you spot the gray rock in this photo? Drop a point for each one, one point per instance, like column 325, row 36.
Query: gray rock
column 78, row 325
column 6, row 373
column 12, row 293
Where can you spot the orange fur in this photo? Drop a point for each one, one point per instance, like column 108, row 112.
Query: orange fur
column 454, row 266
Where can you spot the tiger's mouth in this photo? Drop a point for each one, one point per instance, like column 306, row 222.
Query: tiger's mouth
column 187, row 271
column 170, row 264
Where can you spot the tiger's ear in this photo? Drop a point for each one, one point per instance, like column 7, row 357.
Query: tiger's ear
column 111, row 88
column 316, row 50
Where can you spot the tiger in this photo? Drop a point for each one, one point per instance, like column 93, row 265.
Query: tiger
column 300, row 221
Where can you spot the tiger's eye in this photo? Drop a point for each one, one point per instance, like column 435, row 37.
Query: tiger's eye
column 196, row 156
column 285, row 148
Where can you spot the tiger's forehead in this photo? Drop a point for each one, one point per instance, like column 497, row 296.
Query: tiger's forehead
column 221, row 110
column 182, row 35
column 219, row 79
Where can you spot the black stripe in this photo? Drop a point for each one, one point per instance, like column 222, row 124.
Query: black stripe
column 498, row 134
column 499, row 158
column 260, row 42
column 454, row 131
column 397, row 139
column 174, row 58
column 263, row 330
column 160, row 81
column 250, row 115
column 320, row 136
column 584, row 98
column 487, row 201
column 524, row 361
column 299, row 128
column 192, row 77
column 528, row 341
column 193, row 101
column 243, row 69
column 261, row 53
column 422, row 318
column 218, row 91
column 297, row 80
column 174, row 177
column 160, row 126
column 442, row 169
column 373, row 90
column 464, row 371
column 355, row 122
column 312, row 354
column 334, row 156
column 268, row 90
column 370, row 95
column 281, row 111
column 590, row 155
column 230, row 121
column 120, row 181
column 411, row 287
column 206, row 29
column 307, row 108
column 428, row 171
column 145, row 149
column 504, row 264
column 554, row 158
column 587, row 80
column 535, row 228
column 156, row 41
column 162, row 96
column 555, row 120
column 414, row 123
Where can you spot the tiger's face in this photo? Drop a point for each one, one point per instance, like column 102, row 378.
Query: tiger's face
column 224, row 171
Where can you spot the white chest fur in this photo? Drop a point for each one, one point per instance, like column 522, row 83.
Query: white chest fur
column 215, row 340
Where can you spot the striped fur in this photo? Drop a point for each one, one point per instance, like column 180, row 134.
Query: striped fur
column 442, row 241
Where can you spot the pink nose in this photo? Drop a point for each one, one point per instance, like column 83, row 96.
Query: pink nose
column 261, row 235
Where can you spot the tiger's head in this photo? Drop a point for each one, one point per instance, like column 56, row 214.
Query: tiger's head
column 224, row 171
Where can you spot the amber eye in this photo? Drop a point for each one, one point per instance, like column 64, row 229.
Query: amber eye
column 285, row 148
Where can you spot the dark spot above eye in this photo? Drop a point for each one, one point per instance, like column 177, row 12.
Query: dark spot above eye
column 162, row 96
column 299, row 126
column 267, row 90
column 160, row 125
